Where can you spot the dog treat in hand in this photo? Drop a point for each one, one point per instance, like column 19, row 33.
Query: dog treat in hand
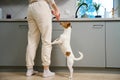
column 56, row 14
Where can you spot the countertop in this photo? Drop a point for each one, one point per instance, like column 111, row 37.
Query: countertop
column 67, row 19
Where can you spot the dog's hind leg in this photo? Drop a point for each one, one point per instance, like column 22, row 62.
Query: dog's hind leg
column 71, row 70
column 70, row 64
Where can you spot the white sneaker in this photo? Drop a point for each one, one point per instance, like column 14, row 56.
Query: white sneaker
column 48, row 74
column 31, row 72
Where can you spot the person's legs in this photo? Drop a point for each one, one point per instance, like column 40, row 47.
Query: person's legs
column 46, row 35
column 33, row 41
column 46, row 50
column 44, row 21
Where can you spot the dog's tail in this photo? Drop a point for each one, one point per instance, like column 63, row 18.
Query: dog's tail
column 79, row 58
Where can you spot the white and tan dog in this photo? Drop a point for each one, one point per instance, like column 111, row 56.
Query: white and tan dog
column 64, row 43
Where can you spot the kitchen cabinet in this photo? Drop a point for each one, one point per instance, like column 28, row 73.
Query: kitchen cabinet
column 97, row 40
column 58, row 58
column 13, row 43
column 13, row 40
column 113, row 44
column 89, row 38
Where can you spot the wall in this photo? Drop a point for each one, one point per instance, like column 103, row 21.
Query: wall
column 116, row 5
column 18, row 8
column 67, row 8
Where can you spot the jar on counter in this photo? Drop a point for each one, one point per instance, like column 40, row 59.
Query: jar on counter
column 8, row 16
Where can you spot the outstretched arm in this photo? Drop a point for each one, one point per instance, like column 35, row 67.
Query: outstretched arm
column 55, row 10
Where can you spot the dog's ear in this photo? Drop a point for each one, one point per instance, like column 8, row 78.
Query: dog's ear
column 67, row 53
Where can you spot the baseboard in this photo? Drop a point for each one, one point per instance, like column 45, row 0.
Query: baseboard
column 57, row 68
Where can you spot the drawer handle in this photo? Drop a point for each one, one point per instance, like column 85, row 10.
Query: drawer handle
column 23, row 26
column 97, row 26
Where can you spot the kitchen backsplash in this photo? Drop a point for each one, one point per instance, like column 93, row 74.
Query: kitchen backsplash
column 18, row 8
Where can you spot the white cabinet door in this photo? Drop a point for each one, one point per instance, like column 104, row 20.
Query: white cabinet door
column 13, row 41
column 113, row 44
column 58, row 58
column 89, row 38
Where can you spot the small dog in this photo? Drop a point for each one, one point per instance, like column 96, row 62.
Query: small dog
column 64, row 43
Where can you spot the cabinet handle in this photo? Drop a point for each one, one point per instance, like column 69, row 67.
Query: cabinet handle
column 23, row 26
column 98, row 26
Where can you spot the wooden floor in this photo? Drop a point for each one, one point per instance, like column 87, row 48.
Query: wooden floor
column 80, row 75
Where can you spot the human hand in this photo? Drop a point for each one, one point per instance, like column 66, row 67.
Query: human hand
column 57, row 14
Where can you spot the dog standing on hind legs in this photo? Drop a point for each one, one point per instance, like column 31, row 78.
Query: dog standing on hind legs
column 64, row 42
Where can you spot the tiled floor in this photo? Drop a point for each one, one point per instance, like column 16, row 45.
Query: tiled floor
column 62, row 76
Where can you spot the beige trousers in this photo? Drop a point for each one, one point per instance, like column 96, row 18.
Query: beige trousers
column 40, row 24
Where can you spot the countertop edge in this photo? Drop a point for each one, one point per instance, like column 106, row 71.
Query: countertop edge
column 66, row 19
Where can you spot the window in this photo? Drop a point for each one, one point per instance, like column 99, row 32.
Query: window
column 105, row 9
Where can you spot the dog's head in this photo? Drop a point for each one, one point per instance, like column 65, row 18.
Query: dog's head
column 65, row 24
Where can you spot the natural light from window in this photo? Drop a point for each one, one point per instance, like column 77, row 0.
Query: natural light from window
column 106, row 7
column 105, row 10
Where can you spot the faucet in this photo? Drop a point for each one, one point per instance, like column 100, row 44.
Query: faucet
column 81, row 4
